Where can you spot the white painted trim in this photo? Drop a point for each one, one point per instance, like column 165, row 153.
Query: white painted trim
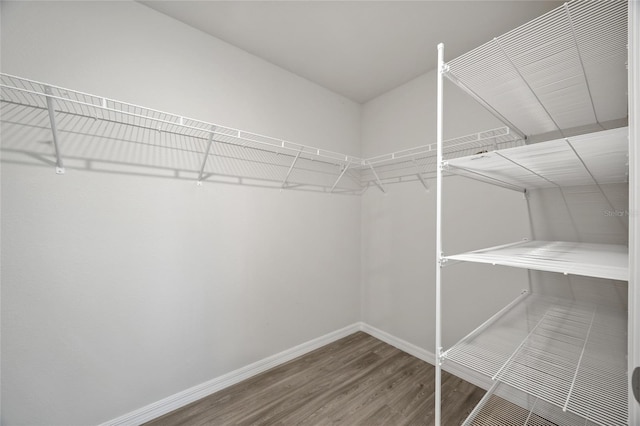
column 634, row 203
column 180, row 399
column 403, row 345
column 197, row 392
column 428, row 356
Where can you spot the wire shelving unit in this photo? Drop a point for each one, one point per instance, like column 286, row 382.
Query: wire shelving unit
column 89, row 131
column 558, row 82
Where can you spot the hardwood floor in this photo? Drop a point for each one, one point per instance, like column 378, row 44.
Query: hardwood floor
column 357, row 380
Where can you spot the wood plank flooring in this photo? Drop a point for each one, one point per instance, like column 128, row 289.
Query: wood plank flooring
column 357, row 380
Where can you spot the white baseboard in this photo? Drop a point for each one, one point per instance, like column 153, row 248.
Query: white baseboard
column 180, row 399
column 197, row 392
column 427, row 356
column 403, row 345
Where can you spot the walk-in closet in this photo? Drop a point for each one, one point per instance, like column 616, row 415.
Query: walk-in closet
column 371, row 212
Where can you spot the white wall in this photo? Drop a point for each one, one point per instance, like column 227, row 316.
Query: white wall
column 398, row 228
column 117, row 290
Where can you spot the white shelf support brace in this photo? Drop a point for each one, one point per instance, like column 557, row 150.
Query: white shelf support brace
column 526, row 83
column 54, row 130
column 424, row 183
column 438, row 384
column 286, row 178
column 206, row 156
column 344, row 170
column 484, row 103
column 378, row 181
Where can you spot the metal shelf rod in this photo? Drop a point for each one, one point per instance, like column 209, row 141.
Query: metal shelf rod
column 462, row 172
column 484, row 103
column 439, row 129
column 493, row 318
column 286, row 178
column 54, row 131
column 206, row 156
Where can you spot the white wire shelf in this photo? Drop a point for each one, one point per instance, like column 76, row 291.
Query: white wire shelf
column 564, row 70
column 419, row 163
column 97, row 133
column 594, row 260
column 506, row 406
column 588, row 159
column 97, row 130
column 567, row 354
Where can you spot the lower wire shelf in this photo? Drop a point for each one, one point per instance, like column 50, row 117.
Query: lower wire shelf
column 570, row 355
column 507, row 406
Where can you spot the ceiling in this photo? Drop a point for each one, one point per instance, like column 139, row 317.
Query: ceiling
column 359, row 49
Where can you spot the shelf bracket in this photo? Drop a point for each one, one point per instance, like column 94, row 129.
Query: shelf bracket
column 471, row 174
column 441, row 355
column 378, row 182
column 206, row 156
column 584, row 72
column 54, row 130
column 284, row 182
column 344, row 170
column 524, row 80
column 445, row 261
column 451, row 77
column 424, row 183
column 595, row 181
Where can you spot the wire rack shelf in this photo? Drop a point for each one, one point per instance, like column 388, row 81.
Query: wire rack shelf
column 608, row 261
column 103, row 134
column 507, row 406
column 595, row 158
column 560, row 73
column 419, row 163
column 101, row 130
column 570, row 355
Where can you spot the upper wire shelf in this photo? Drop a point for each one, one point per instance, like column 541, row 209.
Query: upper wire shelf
column 98, row 133
column 559, row 75
column 104, row 131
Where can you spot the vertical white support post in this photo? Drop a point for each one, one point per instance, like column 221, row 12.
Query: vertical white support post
column 438, row 352
column 54, row 131
column 633, row 331
column 206, row 156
